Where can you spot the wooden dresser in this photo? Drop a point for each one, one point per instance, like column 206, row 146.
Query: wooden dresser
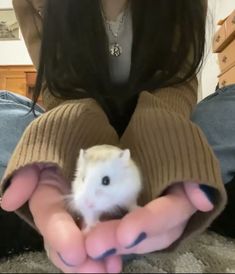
column 19, row 79
column 224, row 45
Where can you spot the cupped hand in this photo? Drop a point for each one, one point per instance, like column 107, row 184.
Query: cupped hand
column 44, row 189
column 150, row 228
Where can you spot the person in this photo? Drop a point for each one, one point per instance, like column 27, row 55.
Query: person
column 110, row 73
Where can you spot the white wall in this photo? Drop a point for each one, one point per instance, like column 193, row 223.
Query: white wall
column 218, row 9
column 13, row 52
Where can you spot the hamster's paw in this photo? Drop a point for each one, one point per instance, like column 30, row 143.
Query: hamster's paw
column 89, row 227
column 87, row 230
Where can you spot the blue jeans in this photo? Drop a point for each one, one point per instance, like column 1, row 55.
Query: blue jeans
column 14, row 118
column 215, row 115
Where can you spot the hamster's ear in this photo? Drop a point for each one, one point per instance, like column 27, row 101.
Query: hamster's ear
column 125, row 155
column 82, row 155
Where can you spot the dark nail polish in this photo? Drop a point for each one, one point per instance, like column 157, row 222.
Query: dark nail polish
column 209, row 191
column 64, row 261
column 139, row 239
column 108, row 253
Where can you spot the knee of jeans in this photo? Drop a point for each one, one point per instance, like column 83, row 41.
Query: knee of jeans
column 10, row 96
column 197, row 116
column 3, row 94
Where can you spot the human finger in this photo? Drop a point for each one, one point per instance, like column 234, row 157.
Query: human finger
column 56, row 225
column 198, row 197
column 156, row 218
column 21, row 187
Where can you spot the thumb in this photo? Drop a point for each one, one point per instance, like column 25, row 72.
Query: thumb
column 197, row 197
column 21, row 187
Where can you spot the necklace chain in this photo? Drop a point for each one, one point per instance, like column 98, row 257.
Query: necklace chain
column 115, row 49
column 119, row 26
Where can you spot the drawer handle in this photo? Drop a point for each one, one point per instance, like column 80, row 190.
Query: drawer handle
column 233, row 20
column 223, row 83
column 224, row 60
column 217, row 38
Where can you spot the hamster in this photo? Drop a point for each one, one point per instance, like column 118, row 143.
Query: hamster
column 106, row 178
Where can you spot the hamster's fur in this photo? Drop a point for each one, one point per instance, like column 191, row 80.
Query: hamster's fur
column 106, row 178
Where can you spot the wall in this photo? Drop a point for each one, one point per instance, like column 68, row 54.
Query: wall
column 13, row 52
column 218, row 9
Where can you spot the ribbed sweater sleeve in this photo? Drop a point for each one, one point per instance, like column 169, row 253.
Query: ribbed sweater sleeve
column 169, row 148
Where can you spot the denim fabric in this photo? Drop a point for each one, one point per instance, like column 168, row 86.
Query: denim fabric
column 14, row 118
column 215, row 115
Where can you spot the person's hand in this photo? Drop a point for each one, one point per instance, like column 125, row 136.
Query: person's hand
column 150, row 228
column 44, row 189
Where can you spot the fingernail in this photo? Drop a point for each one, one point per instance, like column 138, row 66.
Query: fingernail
column 107, row 254
column 209, row 191
column 138, row 240
column 64, row 261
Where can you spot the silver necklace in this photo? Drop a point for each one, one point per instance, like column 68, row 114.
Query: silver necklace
column 115, row 49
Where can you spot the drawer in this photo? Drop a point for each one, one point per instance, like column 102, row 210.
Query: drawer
column 227, row 57
column 17, row 85
column 31, row 78
column 227, row 78
column 230, row 26
column 219, row 39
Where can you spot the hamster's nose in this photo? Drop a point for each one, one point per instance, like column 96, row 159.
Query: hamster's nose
column 89, row 204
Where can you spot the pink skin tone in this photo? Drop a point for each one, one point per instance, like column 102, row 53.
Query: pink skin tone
column 163, row 220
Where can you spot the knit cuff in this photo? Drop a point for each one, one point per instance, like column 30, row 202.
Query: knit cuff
column 170, row 149
column 56, row 138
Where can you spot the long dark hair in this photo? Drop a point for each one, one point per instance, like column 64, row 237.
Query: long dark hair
column 74, row 50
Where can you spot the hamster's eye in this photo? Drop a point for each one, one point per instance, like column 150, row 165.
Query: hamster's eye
column 105, row 181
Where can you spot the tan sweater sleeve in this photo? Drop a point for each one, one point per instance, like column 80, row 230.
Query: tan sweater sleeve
column 170, row 148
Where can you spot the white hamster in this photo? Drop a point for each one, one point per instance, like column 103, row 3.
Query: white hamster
column 106, row 178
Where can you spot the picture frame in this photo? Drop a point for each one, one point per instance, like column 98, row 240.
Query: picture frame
column 9, row 27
